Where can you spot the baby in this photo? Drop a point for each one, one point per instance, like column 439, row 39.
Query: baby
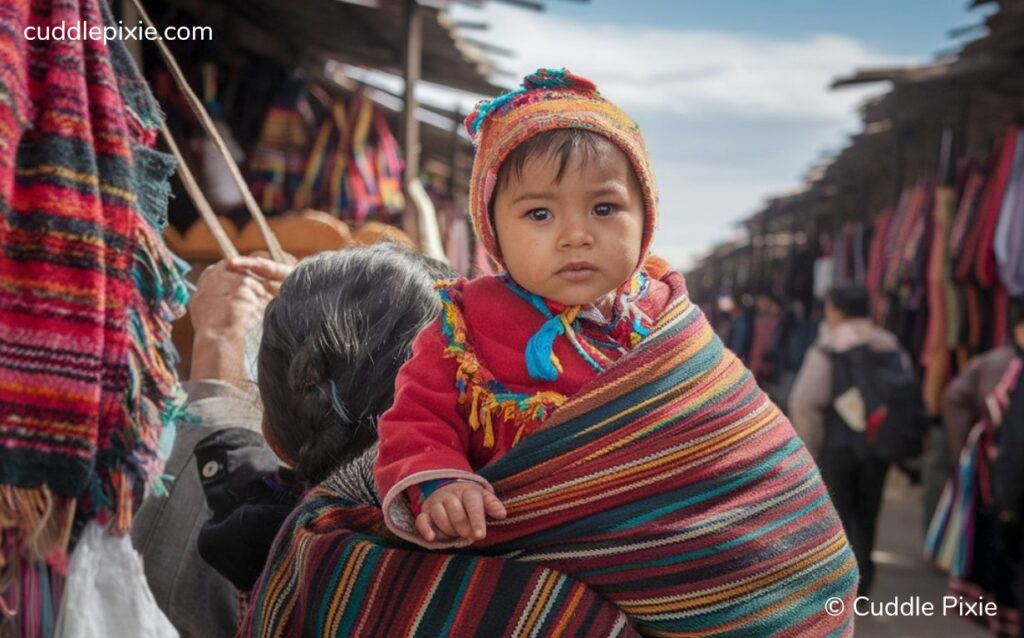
column 563, row 199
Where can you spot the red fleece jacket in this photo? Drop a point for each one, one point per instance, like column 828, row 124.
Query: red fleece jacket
column 426, row 435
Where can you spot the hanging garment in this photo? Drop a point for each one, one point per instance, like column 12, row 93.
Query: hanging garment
column 962, row 537
column 859, row 253
column 839, row 277
column 985, row 260
column 1009, row 235
column 961, row 245
column 389, row 166
column 326, row 158
column 823, row 276
column 935, row 357
column 362, row 176
column 88, row 393
column 876, row 262
column 275, row 169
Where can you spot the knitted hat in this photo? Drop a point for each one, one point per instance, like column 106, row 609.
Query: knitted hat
column 549, row 99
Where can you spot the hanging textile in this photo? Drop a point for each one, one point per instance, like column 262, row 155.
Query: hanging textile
column 876, row 261
column 985, row 261
column 961, row 535
column 362, row 168
column 331, row 134
column 1009, row 235
column 389, row 166
column 275, row 170
column 962, row 245
column 353, row 170
column 88, row 392
column 839, row 273
column 935, row 357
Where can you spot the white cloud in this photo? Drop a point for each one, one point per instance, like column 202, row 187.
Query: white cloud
column 729, row 118
column 687, row 71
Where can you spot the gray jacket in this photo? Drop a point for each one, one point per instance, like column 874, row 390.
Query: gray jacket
column 198, row 601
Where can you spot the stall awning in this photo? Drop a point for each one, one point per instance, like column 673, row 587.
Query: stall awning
column 371, row 36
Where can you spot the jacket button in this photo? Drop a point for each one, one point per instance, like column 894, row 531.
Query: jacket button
column 210, row 469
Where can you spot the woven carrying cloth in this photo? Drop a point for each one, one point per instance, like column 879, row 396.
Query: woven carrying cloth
column 671, row 486
column 87, row 287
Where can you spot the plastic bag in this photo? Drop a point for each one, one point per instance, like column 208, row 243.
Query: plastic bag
column 106, row 593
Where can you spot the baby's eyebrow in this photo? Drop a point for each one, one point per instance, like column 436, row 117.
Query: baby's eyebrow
column 526, row 196
column 608, row 189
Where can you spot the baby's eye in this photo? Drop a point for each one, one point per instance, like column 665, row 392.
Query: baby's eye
column 604, row 210
column 539, row 214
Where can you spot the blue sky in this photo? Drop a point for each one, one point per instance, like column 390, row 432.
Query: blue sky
column 732, row 95
column 899, row 27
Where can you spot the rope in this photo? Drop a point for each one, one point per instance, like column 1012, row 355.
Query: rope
column 227, row 249
column 197, row 107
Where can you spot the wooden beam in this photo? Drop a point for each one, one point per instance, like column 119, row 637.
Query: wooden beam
column 411, row 128
column 130, row 15
column 456, row 145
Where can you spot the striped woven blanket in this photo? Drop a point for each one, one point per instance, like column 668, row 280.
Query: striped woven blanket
column 88, row 290
column 671, row 488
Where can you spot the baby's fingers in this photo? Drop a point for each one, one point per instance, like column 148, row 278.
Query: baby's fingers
column 474, row 504
column 459, row 517
column 494, row 507
column 440, row 520
column 425, row 528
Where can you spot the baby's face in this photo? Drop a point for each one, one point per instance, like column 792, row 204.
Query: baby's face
column 576, row 240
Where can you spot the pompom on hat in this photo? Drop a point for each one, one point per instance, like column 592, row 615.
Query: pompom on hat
column 548, row 100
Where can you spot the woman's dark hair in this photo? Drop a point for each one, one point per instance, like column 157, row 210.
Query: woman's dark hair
column 333, row 341
column 851, row 300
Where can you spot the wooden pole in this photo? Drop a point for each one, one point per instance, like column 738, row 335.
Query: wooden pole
column 454, row 152
column 130, row 16
column 411, row 129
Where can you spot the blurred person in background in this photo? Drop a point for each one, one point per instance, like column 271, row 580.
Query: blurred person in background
column 832, row 404
column 978, row 520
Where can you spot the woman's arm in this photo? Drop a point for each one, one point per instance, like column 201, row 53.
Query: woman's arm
column 228, row 303
column 958, row 406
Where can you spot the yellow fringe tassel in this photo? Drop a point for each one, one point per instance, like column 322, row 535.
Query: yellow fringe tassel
column 41, row 519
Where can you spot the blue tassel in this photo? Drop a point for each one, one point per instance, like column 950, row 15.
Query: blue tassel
column 539, row 350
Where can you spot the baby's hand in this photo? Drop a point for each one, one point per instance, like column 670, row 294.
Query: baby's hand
column 458, row 510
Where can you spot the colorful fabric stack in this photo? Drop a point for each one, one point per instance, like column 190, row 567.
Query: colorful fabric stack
column 671, row 486
column 88, row 291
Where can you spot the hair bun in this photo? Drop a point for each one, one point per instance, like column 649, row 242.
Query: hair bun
column 538, row 80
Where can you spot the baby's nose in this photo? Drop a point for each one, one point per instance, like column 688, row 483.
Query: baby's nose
column 577, row 234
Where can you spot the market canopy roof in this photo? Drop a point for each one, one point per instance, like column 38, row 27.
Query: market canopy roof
column 356, row 33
